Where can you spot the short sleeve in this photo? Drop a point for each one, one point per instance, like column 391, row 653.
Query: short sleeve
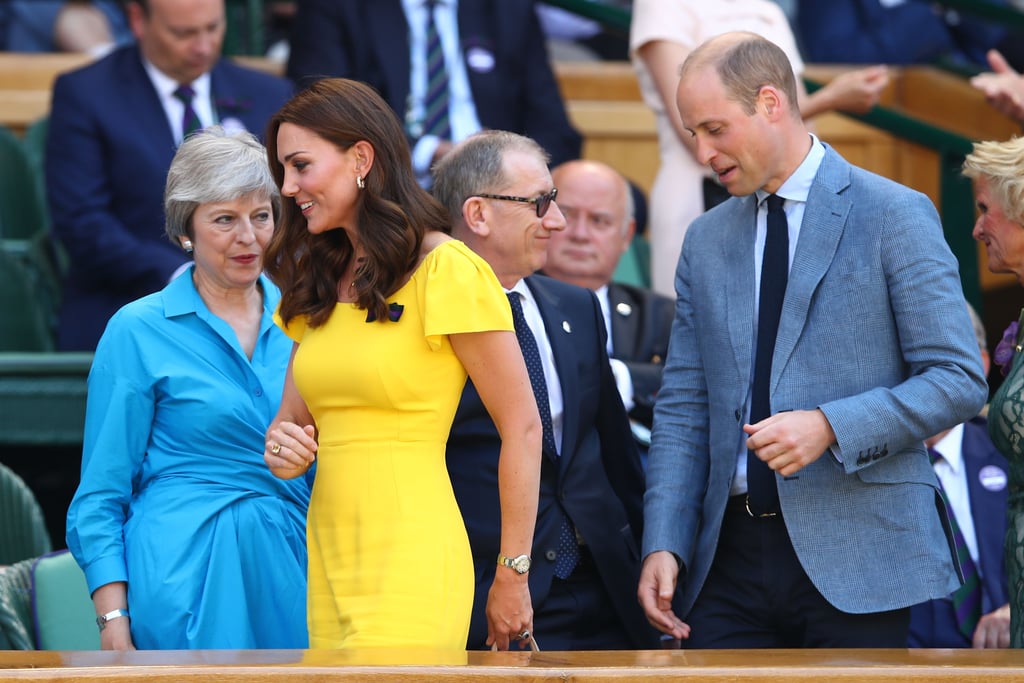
column 295, row 330
column 460, row 293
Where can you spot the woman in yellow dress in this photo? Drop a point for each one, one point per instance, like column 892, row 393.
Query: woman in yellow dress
column 388, row 315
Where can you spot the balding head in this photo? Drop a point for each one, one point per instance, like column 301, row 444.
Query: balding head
column 598, row 206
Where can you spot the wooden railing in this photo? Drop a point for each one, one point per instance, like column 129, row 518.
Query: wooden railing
column 711, row 666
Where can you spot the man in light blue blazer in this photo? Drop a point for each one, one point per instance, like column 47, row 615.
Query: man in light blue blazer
column 873, row 353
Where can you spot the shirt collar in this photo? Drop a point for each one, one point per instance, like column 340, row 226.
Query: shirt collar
column 165, row 85
column 798, row 185
column 950, row 447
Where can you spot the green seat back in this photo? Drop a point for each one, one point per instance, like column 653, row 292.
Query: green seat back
column 634, row 267
column 23, row 533
column 26, row 311
column 61, row 607
column 21, row 207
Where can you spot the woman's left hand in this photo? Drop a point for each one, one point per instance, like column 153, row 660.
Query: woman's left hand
column 509, row 610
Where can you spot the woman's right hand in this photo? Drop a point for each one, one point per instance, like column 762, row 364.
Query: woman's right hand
column 117, row 635
column 290, row 449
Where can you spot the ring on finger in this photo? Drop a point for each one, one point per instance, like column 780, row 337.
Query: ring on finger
column 524, row 634
column 275, row 448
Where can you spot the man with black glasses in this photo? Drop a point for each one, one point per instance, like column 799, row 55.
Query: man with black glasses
column 584, row 561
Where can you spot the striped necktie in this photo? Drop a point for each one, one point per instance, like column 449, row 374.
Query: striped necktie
column 189, row 119
column 966, row 598
column 568, row 550
column 435, row 103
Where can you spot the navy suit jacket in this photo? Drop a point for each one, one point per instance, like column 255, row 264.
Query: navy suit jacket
column 368, row 41
column 108, row 150
column 863, row 31
column 641, row 327
column 933, row 623
column 597, row 480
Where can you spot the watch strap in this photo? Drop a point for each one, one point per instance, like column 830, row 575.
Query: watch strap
column 102, row 620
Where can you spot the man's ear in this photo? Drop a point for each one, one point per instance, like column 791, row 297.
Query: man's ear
column 769, row 99
column 474, row 215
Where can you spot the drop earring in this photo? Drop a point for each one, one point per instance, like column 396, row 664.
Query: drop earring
column 187, row 246
column 360, row 183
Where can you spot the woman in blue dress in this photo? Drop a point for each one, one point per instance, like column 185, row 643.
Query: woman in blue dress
column 186, row 539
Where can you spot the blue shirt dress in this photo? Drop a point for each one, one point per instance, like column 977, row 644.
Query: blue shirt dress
column 174, row 496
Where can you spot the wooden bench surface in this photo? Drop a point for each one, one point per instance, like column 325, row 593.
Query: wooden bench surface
column 764, row 666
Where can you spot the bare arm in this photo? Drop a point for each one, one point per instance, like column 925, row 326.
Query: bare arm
column 495, row 364
column 117, row 634
column 292, row 434
column 664, row 58
column 854, row 91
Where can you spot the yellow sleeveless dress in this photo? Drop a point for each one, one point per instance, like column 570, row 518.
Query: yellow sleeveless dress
column 389, row 559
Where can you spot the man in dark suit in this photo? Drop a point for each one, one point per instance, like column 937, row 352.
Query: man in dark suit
column 495, row 60
column 584, row 561
column 973, row 475
column 598, row 206
column 114, row 126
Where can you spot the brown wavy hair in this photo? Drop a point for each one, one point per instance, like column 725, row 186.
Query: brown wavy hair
column 393, row 211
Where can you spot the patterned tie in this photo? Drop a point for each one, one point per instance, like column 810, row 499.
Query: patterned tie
column 966, row 598
column 762, row 493
column 189, row 120
column 435, row 103
column 568, row 550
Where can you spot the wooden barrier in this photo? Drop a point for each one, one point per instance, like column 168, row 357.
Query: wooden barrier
column 711, row 666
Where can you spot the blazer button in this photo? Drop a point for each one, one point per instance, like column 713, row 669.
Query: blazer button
column 738, row 416
column 863, row 459
column 550, row 555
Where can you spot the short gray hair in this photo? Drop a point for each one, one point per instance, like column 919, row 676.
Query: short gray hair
column 215, row 166
column 477, row 164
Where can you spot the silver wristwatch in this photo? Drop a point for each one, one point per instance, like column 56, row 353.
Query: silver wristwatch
column 520, row 564
column 102, row 620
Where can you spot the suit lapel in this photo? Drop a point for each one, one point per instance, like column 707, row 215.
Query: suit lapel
column 561, row 343
column 738, row 256
column 144, row 102
column 389, row 32
column 625, row 321
column 824, row 221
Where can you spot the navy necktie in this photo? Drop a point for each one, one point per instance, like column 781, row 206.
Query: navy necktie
column 435, row 115
column 762, row 492
column 189, row 119
column 568, row 551
column 966, row 598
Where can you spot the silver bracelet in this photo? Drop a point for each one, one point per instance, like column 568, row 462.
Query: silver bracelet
column 102, row 620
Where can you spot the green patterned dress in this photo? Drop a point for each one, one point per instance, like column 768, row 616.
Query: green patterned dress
column 1006, row 427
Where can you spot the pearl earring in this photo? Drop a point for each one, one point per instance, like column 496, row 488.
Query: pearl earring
column 187, row 245
column 360, row 183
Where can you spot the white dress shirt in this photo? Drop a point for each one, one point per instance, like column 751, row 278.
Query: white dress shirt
column 461, row 109
column 174, row 109
column 547, row 359
column 794, row 190
column 952, row 473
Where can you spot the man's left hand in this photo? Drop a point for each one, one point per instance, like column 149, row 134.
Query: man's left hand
column 790, row 441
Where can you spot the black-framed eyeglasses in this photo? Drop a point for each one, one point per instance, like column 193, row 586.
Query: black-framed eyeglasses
column 541, row 202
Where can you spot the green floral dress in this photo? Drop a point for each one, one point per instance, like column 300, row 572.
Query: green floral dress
column 1006, row 427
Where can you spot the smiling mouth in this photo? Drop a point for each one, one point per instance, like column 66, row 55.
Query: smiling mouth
column 305, row 205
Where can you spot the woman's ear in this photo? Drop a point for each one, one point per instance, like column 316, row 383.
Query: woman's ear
column 365, row 155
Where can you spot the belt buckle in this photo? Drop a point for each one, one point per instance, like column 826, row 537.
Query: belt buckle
column 763, row 515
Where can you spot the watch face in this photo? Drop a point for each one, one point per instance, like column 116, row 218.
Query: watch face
column 521, row 564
